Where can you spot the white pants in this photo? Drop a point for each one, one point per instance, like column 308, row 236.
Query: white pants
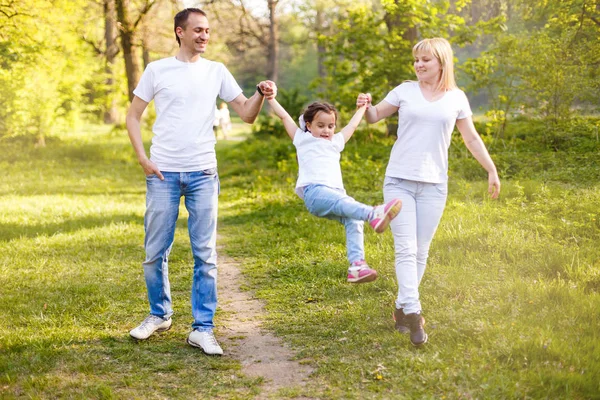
column 413, row 229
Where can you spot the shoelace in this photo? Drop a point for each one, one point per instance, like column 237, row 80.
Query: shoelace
column 378, row 212
column 213, row 339
column 150, row 321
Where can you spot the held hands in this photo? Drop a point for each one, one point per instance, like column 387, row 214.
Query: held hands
column 269, row 89
column 150, row 168
column 493, row 185
column 364, row 99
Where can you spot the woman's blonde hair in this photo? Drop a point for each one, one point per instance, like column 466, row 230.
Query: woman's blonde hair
column 441, row 49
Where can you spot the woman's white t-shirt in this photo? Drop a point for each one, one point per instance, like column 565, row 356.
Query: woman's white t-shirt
column 185, row 100
column 318, row 160
column 424, row 132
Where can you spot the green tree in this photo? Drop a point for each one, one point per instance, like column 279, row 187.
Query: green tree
column 546, row 63
column 371, row 48
column 44, row 69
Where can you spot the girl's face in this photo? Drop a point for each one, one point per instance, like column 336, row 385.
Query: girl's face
column 322, row 126
column 427, row 67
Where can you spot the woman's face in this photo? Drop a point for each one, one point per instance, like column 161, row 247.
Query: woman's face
column 322, row 126
column 427, row 67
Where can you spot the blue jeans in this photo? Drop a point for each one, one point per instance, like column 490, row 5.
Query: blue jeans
column 335, row 204
column 413, row 229
column 201, row 190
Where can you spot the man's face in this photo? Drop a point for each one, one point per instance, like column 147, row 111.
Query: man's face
column 196, row 33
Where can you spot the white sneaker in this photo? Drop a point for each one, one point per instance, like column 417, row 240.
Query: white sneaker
column 206, row 341
column 151, row 324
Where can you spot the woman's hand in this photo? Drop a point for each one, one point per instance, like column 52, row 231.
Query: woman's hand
column 493, row 185
column 363, row 99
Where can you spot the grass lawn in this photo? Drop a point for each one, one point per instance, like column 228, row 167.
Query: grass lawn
column 511, row 294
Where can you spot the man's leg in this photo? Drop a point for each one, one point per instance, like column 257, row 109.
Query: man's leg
column 201, row 191
column 162, row 210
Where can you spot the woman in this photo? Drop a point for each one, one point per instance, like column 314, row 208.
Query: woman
column 417, row 172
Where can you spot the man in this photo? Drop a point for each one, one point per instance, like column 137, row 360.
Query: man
column 183, row 163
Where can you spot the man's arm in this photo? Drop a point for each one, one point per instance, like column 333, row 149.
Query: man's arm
column 248, row 109
column 133, row 122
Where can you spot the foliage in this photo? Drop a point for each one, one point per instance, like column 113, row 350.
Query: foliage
column 546, row 64
column 371, row 49
column 292, row 101
column 42, row 82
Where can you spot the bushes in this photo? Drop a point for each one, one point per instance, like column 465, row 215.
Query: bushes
column 570, row 153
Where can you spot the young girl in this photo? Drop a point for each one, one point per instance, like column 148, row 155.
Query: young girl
column 320, row 180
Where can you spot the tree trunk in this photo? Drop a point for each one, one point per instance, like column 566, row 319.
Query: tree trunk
column 110, row 110
column 273, row 50
column 395, row 23
column 321, row 50
column 127, row 32
column 145, row 53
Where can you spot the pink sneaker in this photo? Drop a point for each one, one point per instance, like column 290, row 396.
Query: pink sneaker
column 359, row 272
column 383, row 214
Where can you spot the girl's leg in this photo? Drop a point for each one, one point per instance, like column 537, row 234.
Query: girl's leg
column 359, row 271
column 329, row 203
column 324, row 201
column 334, row 204
column 355, row 240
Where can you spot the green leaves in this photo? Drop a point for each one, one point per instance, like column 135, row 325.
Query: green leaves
column 44, row 68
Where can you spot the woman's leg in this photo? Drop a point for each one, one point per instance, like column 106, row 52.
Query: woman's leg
column 431, row 201
column 404, row 231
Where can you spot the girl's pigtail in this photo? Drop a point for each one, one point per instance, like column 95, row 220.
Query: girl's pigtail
column 301, row 123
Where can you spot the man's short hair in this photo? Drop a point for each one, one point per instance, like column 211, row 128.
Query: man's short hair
column 181, row 19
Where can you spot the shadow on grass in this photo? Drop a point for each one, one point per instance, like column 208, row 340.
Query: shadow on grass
column 12, row 231
column 163, row 364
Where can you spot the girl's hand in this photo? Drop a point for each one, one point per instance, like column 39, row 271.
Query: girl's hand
column 363, row 99
column 269, row 89
column 493, row 185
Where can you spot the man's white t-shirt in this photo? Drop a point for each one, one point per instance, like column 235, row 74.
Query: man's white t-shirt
column 424, row 132
column 185, row 100
column 318, row 160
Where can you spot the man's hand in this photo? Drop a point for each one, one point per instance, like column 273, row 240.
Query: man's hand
column 269, row 89
column 150, row 168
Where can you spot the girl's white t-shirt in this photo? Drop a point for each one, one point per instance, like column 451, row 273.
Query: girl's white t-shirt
column 424, row 132
column 318, row 160
column 185, row 100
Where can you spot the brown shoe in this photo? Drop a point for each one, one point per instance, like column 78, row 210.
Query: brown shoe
column 401, row 325
column 415, row 323
column 400, row 320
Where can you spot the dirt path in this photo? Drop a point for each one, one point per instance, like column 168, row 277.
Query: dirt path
column 260, row 352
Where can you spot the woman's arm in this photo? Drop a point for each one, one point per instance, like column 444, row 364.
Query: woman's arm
column 477, row 148
column 288, row 121
column 377, row 113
